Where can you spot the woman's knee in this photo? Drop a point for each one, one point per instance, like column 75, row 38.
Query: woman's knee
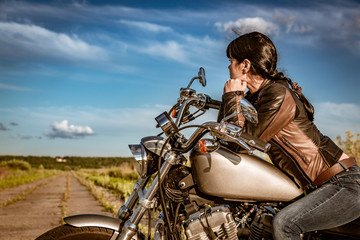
column 278, row 223
column 284, row 226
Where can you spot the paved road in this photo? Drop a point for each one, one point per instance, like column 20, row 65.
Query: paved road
column 43, row 206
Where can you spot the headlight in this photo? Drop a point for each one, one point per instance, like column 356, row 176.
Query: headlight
column 138, row 151
column 147, row 161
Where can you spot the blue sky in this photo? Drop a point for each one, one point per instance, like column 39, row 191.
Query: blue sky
column 86, row 78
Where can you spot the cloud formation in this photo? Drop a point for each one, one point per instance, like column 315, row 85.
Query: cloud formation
column 146, row 26
column 170, row 50
column 14, row 88
column 33, row 41
column 64, row 130
column 323, row 25
column 245, row 25
column 334, row 119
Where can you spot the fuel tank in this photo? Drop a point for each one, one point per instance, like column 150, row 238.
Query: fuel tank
column 233, row 176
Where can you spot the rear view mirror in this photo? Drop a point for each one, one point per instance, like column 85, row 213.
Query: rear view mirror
column 247, row 110
column 201, row 76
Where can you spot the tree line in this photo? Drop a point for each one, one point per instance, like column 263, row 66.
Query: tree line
column 68, row 162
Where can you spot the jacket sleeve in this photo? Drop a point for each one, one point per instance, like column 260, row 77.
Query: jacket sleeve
column 275, row 106
column 229, row 105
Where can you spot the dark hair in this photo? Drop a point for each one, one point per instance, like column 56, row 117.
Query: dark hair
column 261, row 52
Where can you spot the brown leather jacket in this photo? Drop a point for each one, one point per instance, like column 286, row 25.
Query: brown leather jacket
column 297, row 146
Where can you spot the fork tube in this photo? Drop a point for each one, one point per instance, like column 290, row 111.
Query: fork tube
column 130, row 227
column 126, row 209
column 153, row 189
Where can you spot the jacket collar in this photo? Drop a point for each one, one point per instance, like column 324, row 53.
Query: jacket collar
column 253, row 96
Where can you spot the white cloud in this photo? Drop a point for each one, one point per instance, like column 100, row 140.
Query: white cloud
column 245, row 25
column 13, row 88
column 187, row 49
column 169, row 49
column 146, row 26
column 30, row 39
column 334, row 119
column 64, row 130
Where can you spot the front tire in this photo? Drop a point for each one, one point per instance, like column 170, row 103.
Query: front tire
column 67, row 232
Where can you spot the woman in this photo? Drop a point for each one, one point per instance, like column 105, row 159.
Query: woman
column 298, row 148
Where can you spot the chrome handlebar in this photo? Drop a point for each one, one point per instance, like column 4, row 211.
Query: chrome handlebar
column 224, row 131
column 229, row 133
column 198, row 101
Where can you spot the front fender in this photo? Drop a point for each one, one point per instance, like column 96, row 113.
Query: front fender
column 93, row 220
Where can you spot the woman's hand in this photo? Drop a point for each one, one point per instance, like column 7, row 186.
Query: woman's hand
column 235, row 85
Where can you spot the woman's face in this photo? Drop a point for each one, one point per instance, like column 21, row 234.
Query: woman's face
column 236, row 69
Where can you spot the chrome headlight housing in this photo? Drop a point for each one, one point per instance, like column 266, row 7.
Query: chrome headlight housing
column 140, row 156
column 147, row 154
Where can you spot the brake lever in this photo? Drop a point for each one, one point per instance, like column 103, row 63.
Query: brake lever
column 228, row 138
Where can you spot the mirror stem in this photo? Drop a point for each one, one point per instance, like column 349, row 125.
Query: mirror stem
column 192, row 80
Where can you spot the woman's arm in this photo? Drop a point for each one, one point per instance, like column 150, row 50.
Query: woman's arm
column 276, row 108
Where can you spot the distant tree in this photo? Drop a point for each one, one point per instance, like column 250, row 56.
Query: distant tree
column 350, row 145
column 72, row 162
column 17, row 164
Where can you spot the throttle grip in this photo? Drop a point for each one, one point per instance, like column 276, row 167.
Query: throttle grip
column 212, row 103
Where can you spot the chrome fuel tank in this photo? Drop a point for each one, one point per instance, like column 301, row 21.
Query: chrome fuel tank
column 232, row 176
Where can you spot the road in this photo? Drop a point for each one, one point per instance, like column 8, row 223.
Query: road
column 41, row 205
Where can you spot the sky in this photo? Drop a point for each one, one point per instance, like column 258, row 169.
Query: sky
column 87, row 78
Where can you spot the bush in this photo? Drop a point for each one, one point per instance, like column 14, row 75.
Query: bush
column 17, row 164
column 350, row 145
column 125, row 170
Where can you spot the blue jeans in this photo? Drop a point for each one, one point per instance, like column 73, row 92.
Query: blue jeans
column 333, row 204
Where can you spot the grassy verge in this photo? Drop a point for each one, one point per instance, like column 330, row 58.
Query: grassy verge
column 65, row 198
column 12, row 178
column 22, row 194
column 109, row 201
column 104, row 184
column 118, row 180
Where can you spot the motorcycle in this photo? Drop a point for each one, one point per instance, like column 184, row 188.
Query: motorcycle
column 203, row 189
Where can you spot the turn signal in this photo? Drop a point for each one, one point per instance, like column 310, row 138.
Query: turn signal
column 202, row 146
column 208, row 145
column 174, row 113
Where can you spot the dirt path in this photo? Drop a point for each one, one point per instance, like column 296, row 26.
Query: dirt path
column 43, row 208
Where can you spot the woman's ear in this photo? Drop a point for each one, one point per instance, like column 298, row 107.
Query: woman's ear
column 247, row 65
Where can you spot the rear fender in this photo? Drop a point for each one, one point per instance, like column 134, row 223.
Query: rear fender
column 93, row 220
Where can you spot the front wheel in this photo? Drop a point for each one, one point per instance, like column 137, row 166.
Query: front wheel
column 67, row 232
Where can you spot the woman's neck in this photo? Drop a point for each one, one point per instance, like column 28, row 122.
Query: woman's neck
column 255, row 83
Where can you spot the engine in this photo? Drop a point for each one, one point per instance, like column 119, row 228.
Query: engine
column 236, row 221
column 219, row 223
column 212, row 223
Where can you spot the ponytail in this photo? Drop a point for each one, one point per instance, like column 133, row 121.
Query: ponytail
column 298, row 90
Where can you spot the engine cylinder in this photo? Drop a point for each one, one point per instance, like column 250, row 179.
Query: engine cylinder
column 212, row 223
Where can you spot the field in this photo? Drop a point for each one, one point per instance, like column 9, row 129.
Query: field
column 34, row 199
column 111, row 182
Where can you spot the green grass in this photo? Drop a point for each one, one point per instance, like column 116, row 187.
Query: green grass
column 23, row 194
column 119, row 181
column 65, row 198
column 15, row 177
column 110, row 186
column 99, row 194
